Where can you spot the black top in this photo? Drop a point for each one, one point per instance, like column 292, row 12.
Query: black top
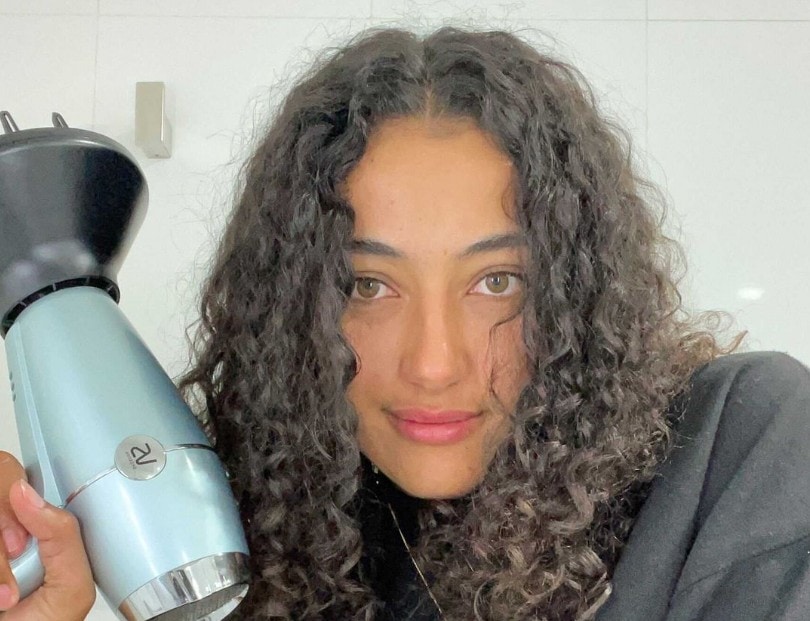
column 725, row 531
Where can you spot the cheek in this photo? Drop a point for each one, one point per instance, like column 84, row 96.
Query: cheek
column 509, row 362
column 373, row 346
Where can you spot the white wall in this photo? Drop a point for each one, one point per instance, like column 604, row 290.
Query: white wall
column 716, row 94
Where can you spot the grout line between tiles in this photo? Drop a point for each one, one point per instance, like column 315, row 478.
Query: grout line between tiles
column 318, row 18
column 95, row 62
column 742, row 21
column 371, row 14
column 2, row 14
column 257, row 16
column 647, row 76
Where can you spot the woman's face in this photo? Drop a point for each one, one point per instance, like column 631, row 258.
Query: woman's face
column 437, row 256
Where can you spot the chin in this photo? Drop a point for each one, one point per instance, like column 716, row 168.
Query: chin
column 434, row 488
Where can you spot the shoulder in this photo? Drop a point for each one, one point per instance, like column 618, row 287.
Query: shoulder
column 770, row 371
column 743, row 412
column 753, row 413
column 731, row 496
column 744, row 388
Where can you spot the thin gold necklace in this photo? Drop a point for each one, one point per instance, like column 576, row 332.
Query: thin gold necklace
column 407, row 547
column 413, row 560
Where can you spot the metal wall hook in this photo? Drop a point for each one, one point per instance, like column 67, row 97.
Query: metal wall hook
column 9, row 126
column 153, row 132
column 58, row 120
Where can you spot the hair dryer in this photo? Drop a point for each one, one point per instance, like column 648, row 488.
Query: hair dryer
column 103, row 431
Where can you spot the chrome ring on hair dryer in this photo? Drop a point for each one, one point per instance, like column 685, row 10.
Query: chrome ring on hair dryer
column 103, row 431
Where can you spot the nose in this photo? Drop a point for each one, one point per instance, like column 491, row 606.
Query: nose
column 435, row 355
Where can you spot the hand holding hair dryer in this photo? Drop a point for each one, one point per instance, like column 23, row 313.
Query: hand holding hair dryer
column 103, row 431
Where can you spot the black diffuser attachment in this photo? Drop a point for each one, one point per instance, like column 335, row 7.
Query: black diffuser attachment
column 71, row 202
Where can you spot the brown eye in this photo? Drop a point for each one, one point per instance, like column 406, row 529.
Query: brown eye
column 367, row 288
column 497, row 283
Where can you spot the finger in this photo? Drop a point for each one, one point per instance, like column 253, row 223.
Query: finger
column 10, row 528
column 14, row 536
column 68, row 578
column 9, row 596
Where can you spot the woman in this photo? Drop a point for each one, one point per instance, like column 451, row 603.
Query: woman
column 440, row 356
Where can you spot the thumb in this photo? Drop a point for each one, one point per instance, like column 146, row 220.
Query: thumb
column 68, row 578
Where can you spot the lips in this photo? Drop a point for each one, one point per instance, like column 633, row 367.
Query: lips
column 435, row 426
column 433, row 417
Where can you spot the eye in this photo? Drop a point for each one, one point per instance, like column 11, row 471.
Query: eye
column 499, row 284
column 369, row 289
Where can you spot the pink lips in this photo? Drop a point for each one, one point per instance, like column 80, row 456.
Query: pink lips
column 439, row 427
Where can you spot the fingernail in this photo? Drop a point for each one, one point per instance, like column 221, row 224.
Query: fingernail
column 12, row 540
column 7, row 598
column 31, row 495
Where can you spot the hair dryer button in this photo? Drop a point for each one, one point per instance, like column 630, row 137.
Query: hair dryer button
column 140, row 457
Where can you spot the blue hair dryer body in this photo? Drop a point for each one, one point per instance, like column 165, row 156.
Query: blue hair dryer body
column 103, row 431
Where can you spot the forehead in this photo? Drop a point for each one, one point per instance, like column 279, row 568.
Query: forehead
column 431, row 184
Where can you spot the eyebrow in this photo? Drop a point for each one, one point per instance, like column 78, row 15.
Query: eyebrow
column 488, row 244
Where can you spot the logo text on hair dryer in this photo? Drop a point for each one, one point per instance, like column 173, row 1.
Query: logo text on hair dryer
column 140, row 457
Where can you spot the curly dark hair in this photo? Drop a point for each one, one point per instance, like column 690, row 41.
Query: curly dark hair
column 611, row 345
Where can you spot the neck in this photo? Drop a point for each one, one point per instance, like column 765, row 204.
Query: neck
column 381, row 492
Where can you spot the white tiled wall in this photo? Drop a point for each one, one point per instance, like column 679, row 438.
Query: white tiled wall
column 433, row 10
column 728, row 10
column 715, row 94
column 729, row 123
